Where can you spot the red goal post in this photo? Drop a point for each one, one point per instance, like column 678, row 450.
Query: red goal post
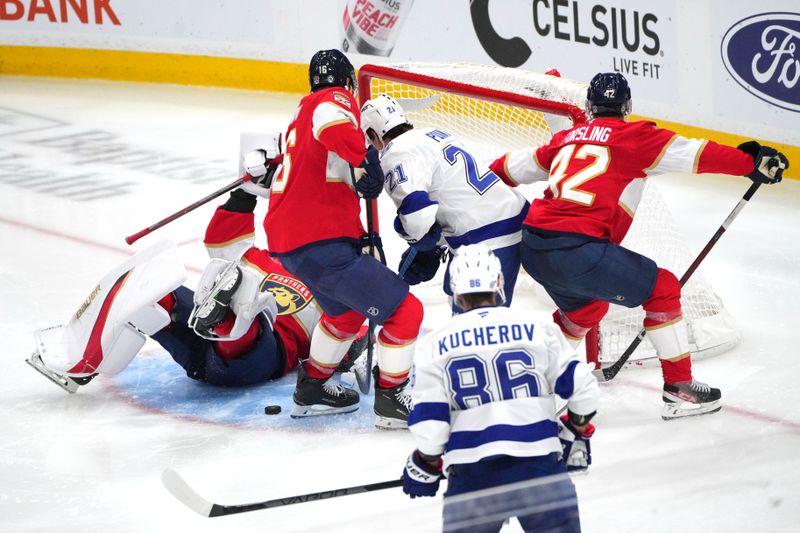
column 494, row 110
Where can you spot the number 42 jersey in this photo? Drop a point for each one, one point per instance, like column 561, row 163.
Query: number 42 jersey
column 597, row 171
column 485, row 385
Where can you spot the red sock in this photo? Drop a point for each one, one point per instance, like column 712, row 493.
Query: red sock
column 387, row 381
column 317, row 371
column 677, row 371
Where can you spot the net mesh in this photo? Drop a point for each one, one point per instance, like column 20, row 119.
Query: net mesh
column 495, row 110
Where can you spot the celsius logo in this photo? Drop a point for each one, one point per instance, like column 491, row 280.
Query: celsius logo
column 572, row 21
column 761, row 53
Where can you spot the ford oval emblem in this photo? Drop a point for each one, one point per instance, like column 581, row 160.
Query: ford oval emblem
column 762, row 53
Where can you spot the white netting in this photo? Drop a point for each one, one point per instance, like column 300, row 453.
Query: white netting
column 495, row 110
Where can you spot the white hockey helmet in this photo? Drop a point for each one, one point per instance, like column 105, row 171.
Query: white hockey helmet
column 381, row 114
column 475, row 268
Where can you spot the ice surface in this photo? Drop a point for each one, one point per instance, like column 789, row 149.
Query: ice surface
column 92, row 461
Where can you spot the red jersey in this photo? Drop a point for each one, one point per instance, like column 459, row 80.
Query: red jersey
column 312, row 198
column 597, row 170
column 230, row 235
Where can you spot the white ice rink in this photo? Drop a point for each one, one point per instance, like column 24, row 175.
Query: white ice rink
column 84, row 163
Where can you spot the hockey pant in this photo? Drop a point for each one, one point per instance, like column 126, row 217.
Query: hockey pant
column 264, row 361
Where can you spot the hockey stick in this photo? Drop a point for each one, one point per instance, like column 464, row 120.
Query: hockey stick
column 407, row 263
column 610, row 372
column 130, row 239
column 185, row 494
column 364, row 385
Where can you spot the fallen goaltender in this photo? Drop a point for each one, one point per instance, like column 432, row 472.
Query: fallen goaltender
column 231, row 332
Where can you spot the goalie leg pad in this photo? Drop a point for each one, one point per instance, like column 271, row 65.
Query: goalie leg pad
column 109, row 327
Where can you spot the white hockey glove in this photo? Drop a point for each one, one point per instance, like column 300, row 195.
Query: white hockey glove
column 576, row 450
column 230, row 286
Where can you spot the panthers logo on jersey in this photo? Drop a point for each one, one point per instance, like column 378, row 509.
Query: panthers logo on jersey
column 290, row 294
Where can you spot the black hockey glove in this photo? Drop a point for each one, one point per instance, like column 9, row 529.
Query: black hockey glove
column 430, row 240
column 768, row 163
column 370, row 184
column 423, row 266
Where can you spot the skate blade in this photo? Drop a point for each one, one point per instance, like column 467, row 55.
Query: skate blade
column 62, row 381
column 306, row 411
column 384, row 422
column 686, row 409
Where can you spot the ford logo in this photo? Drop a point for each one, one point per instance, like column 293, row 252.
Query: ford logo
column 762, row 53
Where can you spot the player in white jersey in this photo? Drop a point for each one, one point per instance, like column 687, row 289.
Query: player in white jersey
column 484, row 410
column 442, row 192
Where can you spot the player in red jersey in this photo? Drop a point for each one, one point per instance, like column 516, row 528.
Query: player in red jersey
column 255, row 325
column 596, row 172
column 313, row 226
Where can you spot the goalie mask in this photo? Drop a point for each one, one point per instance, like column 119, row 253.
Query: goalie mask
column 381, row 115
column 475, row 269
column 608, row 95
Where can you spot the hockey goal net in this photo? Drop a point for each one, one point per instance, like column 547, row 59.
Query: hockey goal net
column 494, row 110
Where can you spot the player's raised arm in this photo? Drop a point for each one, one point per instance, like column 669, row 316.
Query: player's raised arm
column 525, row 165
column 676, row 153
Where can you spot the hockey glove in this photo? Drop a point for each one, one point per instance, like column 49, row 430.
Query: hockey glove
column 420, row 478
column 424, row 265
column 261, row 166
column 429, row 241
column 370, row 183
column 576, row 450
column 768, row 163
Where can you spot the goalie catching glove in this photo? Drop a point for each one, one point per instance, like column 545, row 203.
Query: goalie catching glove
column 420, row 476
column 225, row 287
column 576, row 450
column 768, row 163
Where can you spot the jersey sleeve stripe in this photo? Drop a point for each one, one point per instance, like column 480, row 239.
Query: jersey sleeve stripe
column 423, row 412
column 660, row 156
column 489, row 231
column 565, row 384
column 416, row 201
column 541, row 430
column 696, row 163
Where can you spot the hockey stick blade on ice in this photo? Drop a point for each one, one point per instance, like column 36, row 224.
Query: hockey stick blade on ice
column 130, row 239
column 610, row 372
column 176, row 485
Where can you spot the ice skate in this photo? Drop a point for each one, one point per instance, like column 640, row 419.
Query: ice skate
column 392, row 405
column 215, row 308
column 66, row 382
column 316, row 397
column 689, row 399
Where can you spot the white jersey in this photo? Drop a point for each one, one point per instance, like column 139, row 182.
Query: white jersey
column 485, row 386
column 431, row 178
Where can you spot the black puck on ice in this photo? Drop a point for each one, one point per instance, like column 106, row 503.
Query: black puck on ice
column 272, row 409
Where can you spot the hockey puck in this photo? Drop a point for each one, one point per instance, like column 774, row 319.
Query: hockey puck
column 272, row 409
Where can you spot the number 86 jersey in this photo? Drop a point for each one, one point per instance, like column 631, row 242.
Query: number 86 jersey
column 485, row 386
column 596, row 172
